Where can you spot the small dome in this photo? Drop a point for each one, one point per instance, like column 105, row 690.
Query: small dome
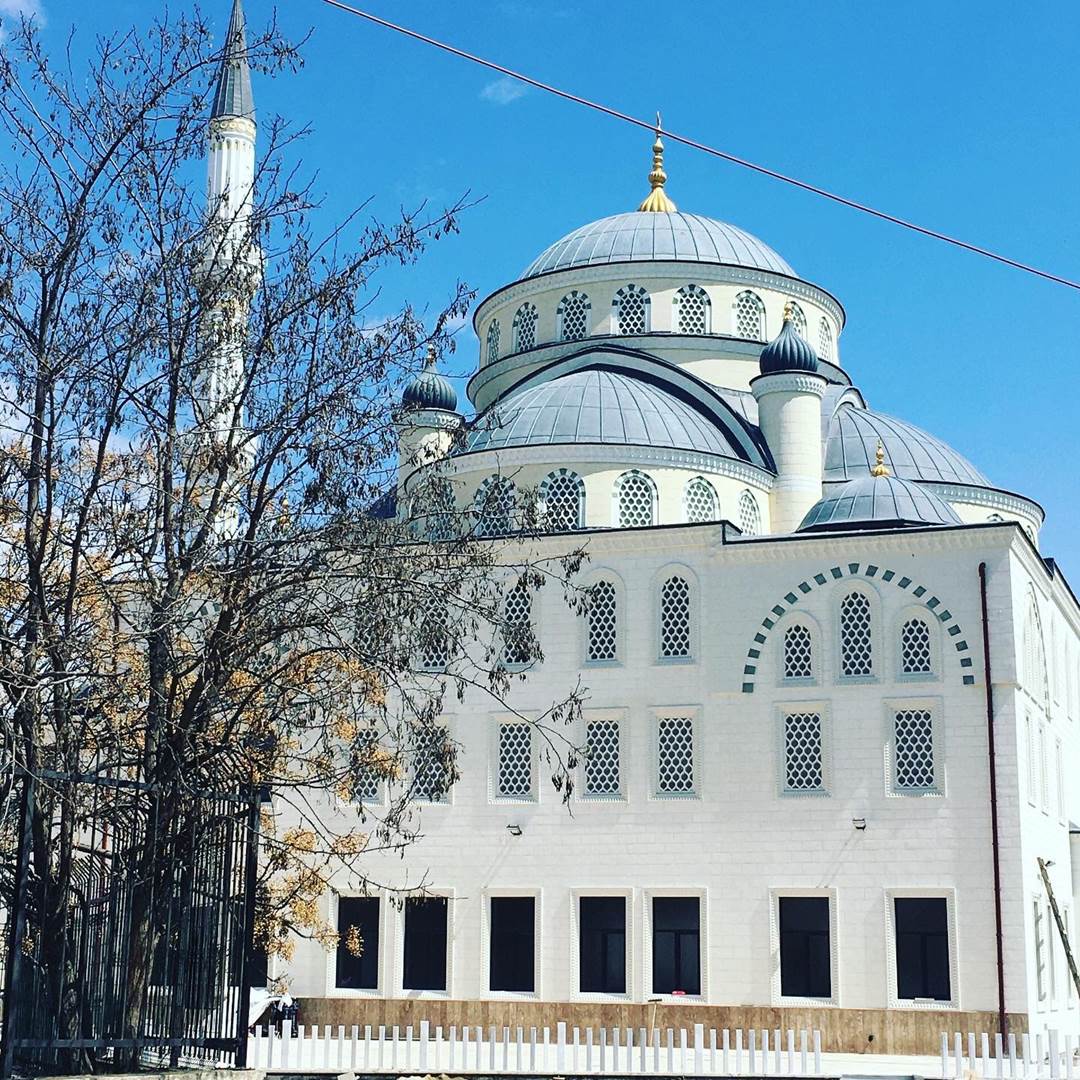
column 429, row 390
column 788, row 351
column 875, row 502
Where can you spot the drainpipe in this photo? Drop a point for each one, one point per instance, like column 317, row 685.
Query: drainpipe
column 1003, row 1024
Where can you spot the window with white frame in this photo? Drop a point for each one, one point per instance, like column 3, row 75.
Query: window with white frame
column 856, row 650
column 602, row 616
column 572, row 316
column 630, row 310
column 636, row 500
column 675, row 618
column 603, row 758
column 562, row 501
column 806, row 956
column 434, row 637
column 914, row 765
column 749, row 514
column 798, row 319
column 431, row 768
column 517, row 626
column 1044, row 770
column 693, row 310
column 825, row 340
column 514, row 775
column 357, row 954
column 1059, row 779
column 442, row 511
column 700, row 500
column 367, row 778
column 749, row 316
column 798, row 652
column 494, row 506
column 1032, row 763
column 916, row 657
column 524, row 327
column 675, row 756
column 1040, row 939
column 804, row 764
column 424, row 965
column 922, row 949
column 493, row 335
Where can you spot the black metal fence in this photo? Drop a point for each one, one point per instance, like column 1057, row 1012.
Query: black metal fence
column 129, row 925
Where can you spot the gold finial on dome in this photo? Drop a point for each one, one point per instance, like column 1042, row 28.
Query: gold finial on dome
column 789, row 312
column 880, row 468
column 657, row 202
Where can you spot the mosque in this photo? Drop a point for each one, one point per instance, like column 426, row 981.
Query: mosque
column 833, row 685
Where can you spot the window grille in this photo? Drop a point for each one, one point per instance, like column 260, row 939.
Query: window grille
column 367, row 784
column 573, row 316
column 493, row 341
column 631, row 310
column 749, row 514
column 434, row 639
column 562, row 499
column 524, row 328
column 915, row 656
column 692, row 310
column 798, row 319
column 913, row 732
column 749, row 316
column 441, row 515
column 675, row 617
column 514, row 780
column 494, row 504
column 603, row 622
column 517, row 627
column 1032, row 765
column 675, row 756
column 856, row 656
column 637, row 498
column 798, row 653
column 803, row 770
column 430, row 779
column 825, row 340
column 701, row 502
column 603, row 774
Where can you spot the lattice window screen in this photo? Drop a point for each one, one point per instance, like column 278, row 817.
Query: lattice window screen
column 913, row 733
column 430, row 780
column 434, row 639
column 494, row 504
column 573, row 316
column 750, row 316
column 493, row 336
column 749, row 514
column 915, row 658
column 524, row 327
column 675, row 617
column 692, row 310
column 631, row 305
column 603, row 622
column 636, row 500
column 562, row 496
column 442, row 514
column 798, row 652
column 856, row 653
column 824, row 340
column 367, row 786
column 675, row 755
column 514, row 778
column 603, row 768
column 803, row 770
column 517, row 626
column 798, row 319
column 701, row 504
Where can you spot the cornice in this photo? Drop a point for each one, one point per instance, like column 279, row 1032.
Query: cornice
column 437, row 419
column 800, row 382
column 992, row 497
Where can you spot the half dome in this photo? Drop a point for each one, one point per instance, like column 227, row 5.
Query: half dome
column 658, row 237
column 878, row 502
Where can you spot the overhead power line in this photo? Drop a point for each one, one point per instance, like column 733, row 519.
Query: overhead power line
column 694, row 144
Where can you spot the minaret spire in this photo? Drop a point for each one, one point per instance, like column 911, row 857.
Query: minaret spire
column 233, row 95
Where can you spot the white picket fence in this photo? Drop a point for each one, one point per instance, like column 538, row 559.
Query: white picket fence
column 1029, row 1057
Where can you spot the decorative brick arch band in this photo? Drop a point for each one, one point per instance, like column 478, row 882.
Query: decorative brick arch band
column 836, row 573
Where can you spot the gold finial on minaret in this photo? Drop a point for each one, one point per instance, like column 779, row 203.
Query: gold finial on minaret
column 657, row 202
column 880, row 468
column 789, row 312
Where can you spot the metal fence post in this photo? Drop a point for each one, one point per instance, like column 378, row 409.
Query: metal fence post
column 16, row 930
column 251, row 877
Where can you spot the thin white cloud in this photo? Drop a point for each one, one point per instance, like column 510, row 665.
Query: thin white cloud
column 500, row 92
column 12, row 9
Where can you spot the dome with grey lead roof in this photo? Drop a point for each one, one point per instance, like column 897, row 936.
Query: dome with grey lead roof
column 788, row 351
column 658, row 237
column 429, row 390
column 878, row 502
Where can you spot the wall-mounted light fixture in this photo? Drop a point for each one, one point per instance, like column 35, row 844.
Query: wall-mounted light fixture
column 514, row 830
column 859, row 823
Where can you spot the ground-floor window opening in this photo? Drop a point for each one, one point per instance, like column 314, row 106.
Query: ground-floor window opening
column 602, row 945
column 358, row 943
column 425, row 943
column 513, row 944
column 676, row 942
column 805, row 947
column 922, row 948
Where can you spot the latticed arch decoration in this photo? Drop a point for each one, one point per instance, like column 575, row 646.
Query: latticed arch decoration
column 430, row 779
column 1034, row 674
column 916, row 655
column 825, row 340
column 803, row 758
column 441, row 520
column 630, row 310
column 798, row 652
column 635, row 496
column 798, row 319
column 524, row 327
column 790, row 602
column 750, row 316
column 675, row 636
column 603, row 767
column 856, row 635
column 562, row 501
column 434, row 638
column 913, row 750
column 693, row 310
column 749, row 514
column 493, row 336
column 675, row 755
column 494, row 506
column 514, row 779
column 700, row 500
column 517, row 626
column 572, row 315
column 602, row 618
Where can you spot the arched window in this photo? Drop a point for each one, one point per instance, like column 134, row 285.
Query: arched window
column 749, row 514
column 441, row 511
column 493, row 341
column 1034, row 679
column 915, row 652
column 572, row 316
column 798, row 652
column 433, row 638
column 630, row 310
column 518, row 642
column 798, row 319
column 603, row 615
column 675, row 617
column 693, row 310
column 562, row 501
column 700, row 500
column 824, row 349
column 494, row 506
column 749, row 316
column 524, row 328
column 636, row 500
column 856, row 650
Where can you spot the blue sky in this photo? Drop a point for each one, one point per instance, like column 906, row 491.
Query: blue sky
column 959, row 115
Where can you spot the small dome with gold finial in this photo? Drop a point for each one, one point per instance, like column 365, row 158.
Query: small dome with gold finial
column 429, row 389
column 788, row 351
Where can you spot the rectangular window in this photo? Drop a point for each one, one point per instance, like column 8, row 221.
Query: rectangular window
column 1044, row 783
column 1052, row 951
column 1040, row 948
column 603, row 773
column 425, row 943
column 922, row 948
column 602, row 944
column 913, row 750
column 676, row 955
column 513, row 944
column 805, row 947
column 514, row 779
column 1029, row 747
column 358, row 943
column 675, row 755
column 803, row 765
column 1059, row 779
